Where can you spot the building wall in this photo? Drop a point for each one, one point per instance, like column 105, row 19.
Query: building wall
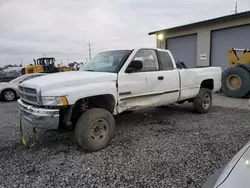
column 203, row 36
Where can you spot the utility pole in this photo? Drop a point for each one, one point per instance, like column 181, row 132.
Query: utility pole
column 236, row 8
column 89, row 50
column 21, row 62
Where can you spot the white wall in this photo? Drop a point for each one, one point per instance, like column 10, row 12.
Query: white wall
column 203, row 36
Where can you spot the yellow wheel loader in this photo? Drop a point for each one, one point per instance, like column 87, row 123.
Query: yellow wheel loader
column 236, row 79
column 44, row 64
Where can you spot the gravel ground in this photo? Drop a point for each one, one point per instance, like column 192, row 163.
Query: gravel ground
column 163, row 147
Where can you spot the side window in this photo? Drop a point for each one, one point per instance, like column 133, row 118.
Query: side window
column 148, row 59
column 166, row 60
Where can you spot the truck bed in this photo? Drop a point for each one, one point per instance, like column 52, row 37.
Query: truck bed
column 196, row 75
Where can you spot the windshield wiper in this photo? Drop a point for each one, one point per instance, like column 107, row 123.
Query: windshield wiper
column 90, row 70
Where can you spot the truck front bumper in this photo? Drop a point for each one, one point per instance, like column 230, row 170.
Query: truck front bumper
column 40, row 118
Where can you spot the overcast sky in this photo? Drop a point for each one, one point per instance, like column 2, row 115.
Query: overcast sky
column 62, row 28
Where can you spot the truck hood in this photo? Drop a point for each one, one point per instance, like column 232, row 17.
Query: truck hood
column 72, row 78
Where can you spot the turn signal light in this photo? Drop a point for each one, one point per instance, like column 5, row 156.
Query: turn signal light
column 65, row 101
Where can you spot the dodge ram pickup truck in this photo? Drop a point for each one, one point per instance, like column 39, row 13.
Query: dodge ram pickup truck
column 111, row 83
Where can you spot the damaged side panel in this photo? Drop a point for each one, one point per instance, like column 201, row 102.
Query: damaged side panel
column 136, row 103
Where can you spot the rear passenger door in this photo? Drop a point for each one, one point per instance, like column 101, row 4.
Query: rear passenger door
column 170, row 79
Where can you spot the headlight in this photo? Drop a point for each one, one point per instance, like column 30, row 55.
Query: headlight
column 54, row 101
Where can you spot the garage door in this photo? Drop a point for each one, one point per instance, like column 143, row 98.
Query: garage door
column 184, row 49
column 236, row 37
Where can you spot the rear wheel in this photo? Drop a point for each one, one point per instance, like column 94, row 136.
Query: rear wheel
column 8, row 95
column 203, row 101
column 94, row 129
column 236, row 82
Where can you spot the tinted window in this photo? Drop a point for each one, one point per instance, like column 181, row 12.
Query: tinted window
column 166, row 61
column 148, row 59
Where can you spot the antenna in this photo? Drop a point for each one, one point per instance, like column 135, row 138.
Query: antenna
column 89, row 50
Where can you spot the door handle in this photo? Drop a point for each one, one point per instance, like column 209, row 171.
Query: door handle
column 160, row 77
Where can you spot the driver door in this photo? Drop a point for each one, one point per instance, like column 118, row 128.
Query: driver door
column 134, row 89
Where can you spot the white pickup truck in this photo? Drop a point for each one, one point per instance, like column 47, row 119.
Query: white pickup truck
column 111, row 83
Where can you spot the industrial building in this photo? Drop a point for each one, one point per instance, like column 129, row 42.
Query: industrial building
column 206, row 43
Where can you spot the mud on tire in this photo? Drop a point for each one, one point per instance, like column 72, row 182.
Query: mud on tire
column 94, row 129
column 203, row 101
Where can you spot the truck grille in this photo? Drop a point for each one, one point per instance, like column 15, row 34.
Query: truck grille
column 28, row 95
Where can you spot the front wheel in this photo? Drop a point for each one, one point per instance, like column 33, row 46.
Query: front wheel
column 203, row 101
column 8, row 95
column 94, row 129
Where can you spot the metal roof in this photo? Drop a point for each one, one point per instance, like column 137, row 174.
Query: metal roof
column 223, row 18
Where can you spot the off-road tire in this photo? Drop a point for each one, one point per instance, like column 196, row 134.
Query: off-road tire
column 85, row 125
column 199, row 101
column 244, row 75
column 5, row 93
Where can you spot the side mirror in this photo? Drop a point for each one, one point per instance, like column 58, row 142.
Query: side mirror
column 133, row 66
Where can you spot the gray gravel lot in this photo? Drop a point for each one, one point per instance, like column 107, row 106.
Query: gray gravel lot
column 162, row 147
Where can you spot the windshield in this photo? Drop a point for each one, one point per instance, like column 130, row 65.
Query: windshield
column 18, row 79
column 107, row 61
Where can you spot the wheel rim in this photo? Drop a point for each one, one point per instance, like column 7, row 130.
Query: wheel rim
column 99, row 130
column 234, row 82
column 9, row 95
column 206, row 101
